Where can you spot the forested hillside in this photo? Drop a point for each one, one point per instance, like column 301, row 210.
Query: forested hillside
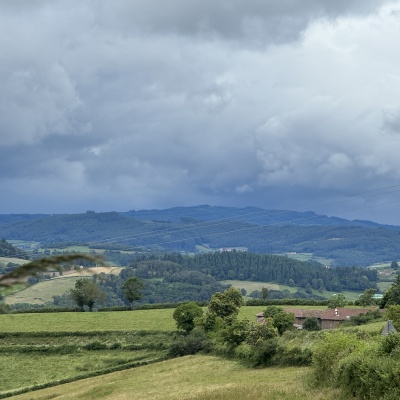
column 185, row 229
column 8, row 250
column 173, row 277
column 257, row 267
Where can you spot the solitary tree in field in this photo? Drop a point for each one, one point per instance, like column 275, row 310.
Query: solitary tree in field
column 86, row 293
column 132, row 289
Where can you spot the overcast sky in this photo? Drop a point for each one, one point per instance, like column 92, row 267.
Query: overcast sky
column 136, row 104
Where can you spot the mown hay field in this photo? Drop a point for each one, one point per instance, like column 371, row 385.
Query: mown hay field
column 29, row 359
column 192, row 377
column 43, row 292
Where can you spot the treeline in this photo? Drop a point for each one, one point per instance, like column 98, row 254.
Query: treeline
column 8, row 250
column 255, row 267
column 167, row 289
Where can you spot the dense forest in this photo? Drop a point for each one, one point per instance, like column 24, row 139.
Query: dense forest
column 347, row 243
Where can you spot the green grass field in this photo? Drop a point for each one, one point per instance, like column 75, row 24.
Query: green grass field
column 6, row 260
column 24, row 370
column 308, row 256
column 86, row 321
column 42, row 292
column 250, row 286
column 194, row 377
column 153, row 320
column 34, row 358
column 191, row 377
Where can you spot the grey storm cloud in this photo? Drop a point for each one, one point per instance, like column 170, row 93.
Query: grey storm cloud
column 262, row 21
column 138, row 104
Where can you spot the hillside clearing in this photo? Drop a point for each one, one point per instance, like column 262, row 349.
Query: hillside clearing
column 14, row 260
column 43, row 292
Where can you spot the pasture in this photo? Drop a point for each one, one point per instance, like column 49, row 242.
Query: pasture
column 192, row 377
column 43, row 348
column 14, row 260
column 136, row 320
column 35, row 358
column 250, row 286
column 43, row 292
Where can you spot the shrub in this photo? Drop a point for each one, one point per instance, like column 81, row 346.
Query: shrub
column 96, row 345
column 390, row 344
column 264, row 352
column 367, row 376
column 191, row 344
column 330, row 349
column 311, row 324
column 4, row 308
column 257, row 332
column 294, row 356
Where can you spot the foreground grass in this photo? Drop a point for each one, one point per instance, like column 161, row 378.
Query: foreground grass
column 191, row 377
column 32, row 358
column 25, row 370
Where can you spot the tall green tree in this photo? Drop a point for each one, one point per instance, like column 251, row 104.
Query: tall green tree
column 132, row 289
column 226, row 304
column 280, row 319
column 337, row 300
column 185, row 316
column 392, row 295
column 366, row 299
column 394, row 265
column 393, row 313
column 86, row 293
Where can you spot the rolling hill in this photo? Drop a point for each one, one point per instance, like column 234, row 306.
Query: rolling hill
column 187, row 228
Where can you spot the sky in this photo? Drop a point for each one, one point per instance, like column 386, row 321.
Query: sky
column 130, row 104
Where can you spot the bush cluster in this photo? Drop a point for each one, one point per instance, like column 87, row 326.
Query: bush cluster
column 366, row 369
column 220, row 331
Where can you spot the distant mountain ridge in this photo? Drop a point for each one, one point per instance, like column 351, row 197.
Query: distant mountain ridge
column 213, row 227
column 253, row 215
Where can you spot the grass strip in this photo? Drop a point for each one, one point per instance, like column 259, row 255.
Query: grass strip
column 92, row 374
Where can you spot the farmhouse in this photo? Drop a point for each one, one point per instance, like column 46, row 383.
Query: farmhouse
column 328, row 319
